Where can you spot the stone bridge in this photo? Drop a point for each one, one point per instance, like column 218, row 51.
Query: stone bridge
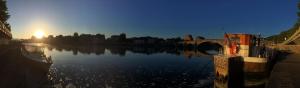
column 199, row 42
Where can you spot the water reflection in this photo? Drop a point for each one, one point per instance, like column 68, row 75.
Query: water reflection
column 136, row 67
column 235, row 73
column 127, row 67
column 121, row 50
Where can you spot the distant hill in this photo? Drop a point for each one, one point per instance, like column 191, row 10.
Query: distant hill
column 286, row 34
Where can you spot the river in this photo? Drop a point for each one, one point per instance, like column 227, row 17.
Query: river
column 84, row 67
column 121, row 67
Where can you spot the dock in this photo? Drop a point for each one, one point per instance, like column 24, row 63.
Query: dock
column 285, row 73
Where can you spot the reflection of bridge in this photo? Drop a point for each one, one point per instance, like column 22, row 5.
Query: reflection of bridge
column 4, row 32
column 294, row 37
column 193, row 53
column 199, row 42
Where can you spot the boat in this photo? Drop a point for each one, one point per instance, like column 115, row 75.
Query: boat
column 35, row 54
column 244, row 54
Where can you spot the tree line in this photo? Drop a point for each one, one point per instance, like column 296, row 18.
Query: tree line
column 288, row 33
column 4, row 16
column 100, row 39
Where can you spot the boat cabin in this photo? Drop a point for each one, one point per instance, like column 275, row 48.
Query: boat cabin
column 246, row 45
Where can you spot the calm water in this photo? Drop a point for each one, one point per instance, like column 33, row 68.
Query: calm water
column 125, row 67
column 128, row 68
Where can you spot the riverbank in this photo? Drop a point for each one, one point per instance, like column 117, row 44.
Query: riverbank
column 285, row 73
column 17, row 71
column 289, row 48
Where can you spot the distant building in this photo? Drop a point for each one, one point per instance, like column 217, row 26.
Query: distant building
column 152, row 40
column 115, row 38
column 50, row 37
column 99, row 38
column 146, row 40
column 118, row 38
column 122, row 36
column 188, row 38
column 173, row 41
column 139, row 41
column 85, row 39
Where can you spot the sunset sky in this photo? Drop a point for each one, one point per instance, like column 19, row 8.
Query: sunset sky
column 161, row 18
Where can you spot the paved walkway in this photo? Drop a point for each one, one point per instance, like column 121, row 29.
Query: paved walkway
column 286, row 73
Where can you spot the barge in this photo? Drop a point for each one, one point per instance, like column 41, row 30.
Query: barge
column 244, row 58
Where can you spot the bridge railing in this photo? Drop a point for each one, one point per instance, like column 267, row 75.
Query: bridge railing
column 5, row 30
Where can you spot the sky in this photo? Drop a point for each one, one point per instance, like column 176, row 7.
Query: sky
column 160, row 18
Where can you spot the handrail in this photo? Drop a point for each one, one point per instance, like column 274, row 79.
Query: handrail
column 292, row 38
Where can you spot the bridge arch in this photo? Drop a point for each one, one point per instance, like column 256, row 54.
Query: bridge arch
column 209, row 45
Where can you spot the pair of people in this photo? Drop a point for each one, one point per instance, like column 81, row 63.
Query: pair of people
column 262, row 51
column 234, row 48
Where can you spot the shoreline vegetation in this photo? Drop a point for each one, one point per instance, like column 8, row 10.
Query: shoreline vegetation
column 100, row 39
column 284, row 35
column 114, row 40
column 123, row 51
column 121, row 41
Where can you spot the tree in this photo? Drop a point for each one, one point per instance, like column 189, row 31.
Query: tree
column 122, row 36
column 100, row 37
column 50, row 36
column 288, row 33
column 33, row 38
column 4, row 13
column 75, row 34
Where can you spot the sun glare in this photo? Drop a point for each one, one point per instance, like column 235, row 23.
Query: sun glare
column 39, row 34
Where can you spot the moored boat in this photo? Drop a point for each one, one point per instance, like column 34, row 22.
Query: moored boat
column 36, row 56
column 244, row 54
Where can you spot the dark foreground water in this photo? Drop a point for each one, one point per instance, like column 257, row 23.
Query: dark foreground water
column 130, row 70
column 118, row 67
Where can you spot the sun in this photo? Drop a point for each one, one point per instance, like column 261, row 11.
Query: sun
column 39, row 34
